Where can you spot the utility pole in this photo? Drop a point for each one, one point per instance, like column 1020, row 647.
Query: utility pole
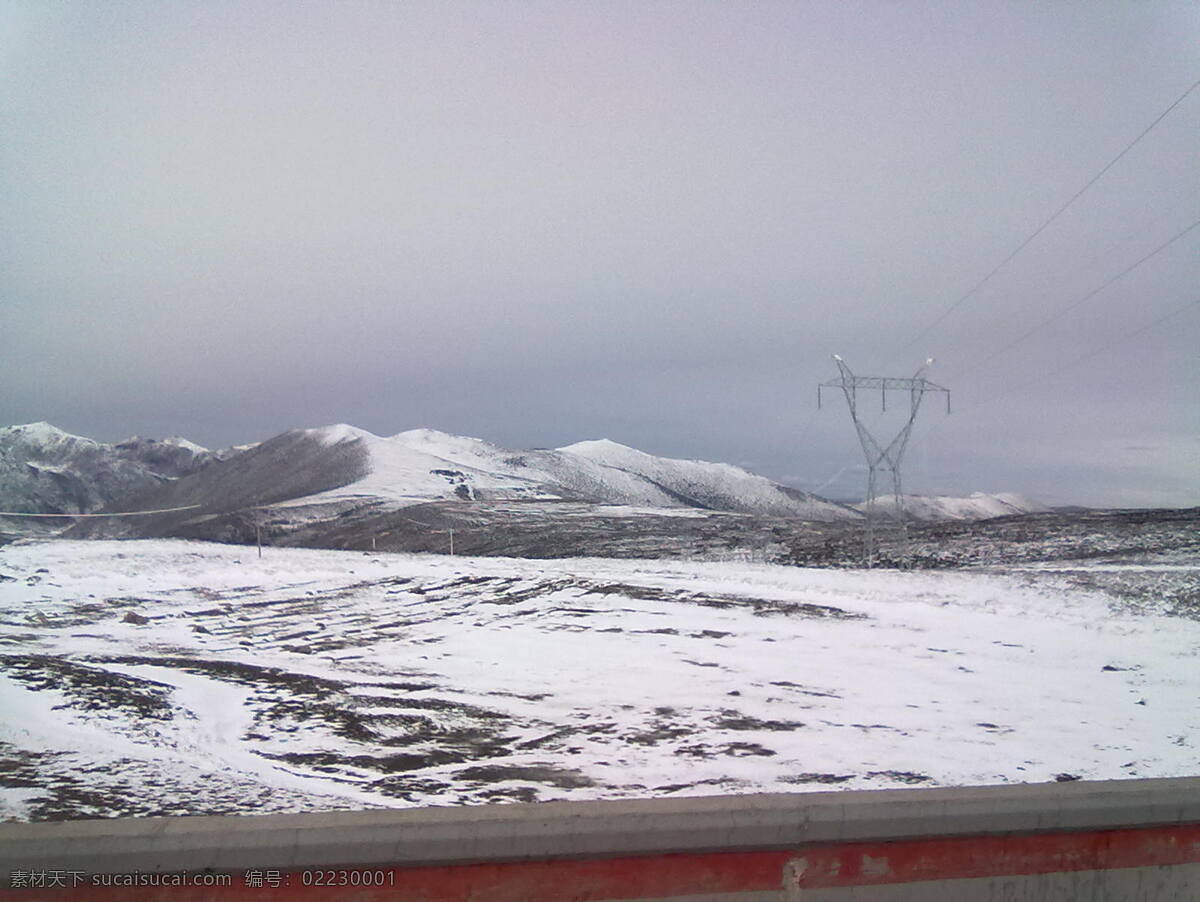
column 883, row 458
column 449, row 530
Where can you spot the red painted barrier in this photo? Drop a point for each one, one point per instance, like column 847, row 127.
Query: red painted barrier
column 817, row 866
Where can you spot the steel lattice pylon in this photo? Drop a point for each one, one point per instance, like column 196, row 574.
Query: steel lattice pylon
column 883, row 458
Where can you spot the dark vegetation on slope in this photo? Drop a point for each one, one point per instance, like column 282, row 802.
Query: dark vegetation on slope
column 564, row 529
column 1112, row 535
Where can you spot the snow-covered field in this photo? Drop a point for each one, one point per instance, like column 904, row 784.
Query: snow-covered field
column 160, row 677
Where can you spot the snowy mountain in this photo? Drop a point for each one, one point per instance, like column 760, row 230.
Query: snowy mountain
column 713, row 486
column 342, row 463
column 427, row 465
column 293, row 465
column 46, row 470
column 335, row 480
column 978, row 506
column 558, row 474
column 328, row 486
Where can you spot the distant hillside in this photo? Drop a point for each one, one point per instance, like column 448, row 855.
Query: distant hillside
column 712, row 486
column 46, row 470
column 978, row 506
column 331, row 471
column 294, row 464
column 309, row 476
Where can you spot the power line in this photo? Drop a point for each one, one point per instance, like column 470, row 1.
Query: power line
column 163, row 510
column 972, row 407
column 1090, row 354
column 1074, row 197
column 1071, row 306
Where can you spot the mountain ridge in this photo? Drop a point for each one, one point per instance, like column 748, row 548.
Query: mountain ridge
column 426, row 464
column 327, row 481
column 44, row 469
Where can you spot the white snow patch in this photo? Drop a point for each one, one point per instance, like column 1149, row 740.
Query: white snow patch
column 181, row 442
column 43, row 435
column 340, row 432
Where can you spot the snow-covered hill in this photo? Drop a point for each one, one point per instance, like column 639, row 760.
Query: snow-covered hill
column 328, row 482
column 424, row 464
column 978, row 506
column 46, row 470
column 329, row 471
column 427, row 465
column 559, row 474
column 714, row 486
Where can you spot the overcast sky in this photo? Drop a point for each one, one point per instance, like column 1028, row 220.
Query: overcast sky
column 538, row 223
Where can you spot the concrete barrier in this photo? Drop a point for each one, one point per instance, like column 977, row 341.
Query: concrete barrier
column 1118, row 840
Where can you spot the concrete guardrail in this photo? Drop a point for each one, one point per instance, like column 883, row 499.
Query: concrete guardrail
column 1125, row 840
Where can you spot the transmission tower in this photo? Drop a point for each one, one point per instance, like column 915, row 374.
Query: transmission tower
column 883, row 458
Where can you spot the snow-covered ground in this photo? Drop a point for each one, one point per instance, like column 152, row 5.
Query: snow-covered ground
column 158, row 677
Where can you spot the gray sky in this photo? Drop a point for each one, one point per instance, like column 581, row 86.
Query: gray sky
column 653, row 222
